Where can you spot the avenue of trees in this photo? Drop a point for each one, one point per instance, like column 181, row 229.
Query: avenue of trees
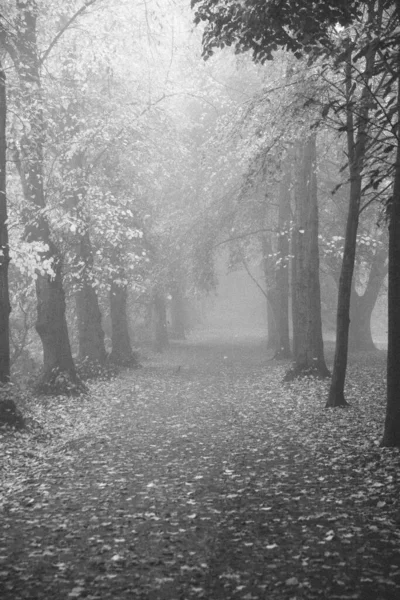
column 360, row 41
column 128, row 165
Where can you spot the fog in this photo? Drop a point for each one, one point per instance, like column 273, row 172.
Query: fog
column 237, row 311
column 165, row 181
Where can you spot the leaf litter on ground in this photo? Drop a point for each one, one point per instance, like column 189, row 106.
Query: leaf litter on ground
column 214, row 480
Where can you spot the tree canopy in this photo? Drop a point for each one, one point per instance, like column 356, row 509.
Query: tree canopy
column 264, row 26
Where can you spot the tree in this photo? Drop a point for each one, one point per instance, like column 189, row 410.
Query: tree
column 259, row 27
column 178, row 304
column 121, row 353
column 282, row 269
column 370, row 267
column 92, row 135
column 391, row 434
column 269, row 266
column 4, row 248
column 363, row 302
column 159, row 321
column 302, row 29
column 357, row 131
column 308, row 346
column 9, row 415
column 75, row 175
column 263, row 26
column 118, row 247
column 305, row 28
column 21, row 43
column 90, row 331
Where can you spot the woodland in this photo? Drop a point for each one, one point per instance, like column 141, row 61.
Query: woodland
column 143, row 144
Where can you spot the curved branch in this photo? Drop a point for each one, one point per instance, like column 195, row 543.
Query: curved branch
column 64, row 29
column 240, row 237
column 5, row 41
column 250, row 274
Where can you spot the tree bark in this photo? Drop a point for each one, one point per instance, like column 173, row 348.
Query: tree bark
column 273, row 335
column 159, row 318
column 270, row 293
column 315, row 344
column 9, row 414
column 121, row 353
column 58, row 375
column 296, row 312
column 282, row 268
column 90, row 332
column 5, row 307
column 362, row 305
column 308, row 346
column 178, row 311
column 356, row 146
column 391, row 434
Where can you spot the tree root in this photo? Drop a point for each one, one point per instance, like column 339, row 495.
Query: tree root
column 59, row 383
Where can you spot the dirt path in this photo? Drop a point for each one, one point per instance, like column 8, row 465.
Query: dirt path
column 206, row 480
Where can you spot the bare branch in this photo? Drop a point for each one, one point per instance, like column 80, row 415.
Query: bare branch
column 376, row 196
column 240, row 237
column 250, row 274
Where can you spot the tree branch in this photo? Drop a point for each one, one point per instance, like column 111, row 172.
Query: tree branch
column 240, row 237
column 64, row 29
column 374, row 198
column 5, row 41
column 250, row 274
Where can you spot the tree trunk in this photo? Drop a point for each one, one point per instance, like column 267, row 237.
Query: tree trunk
column 9, row 414
column 306, row 296
column 273, row 335
column 5, row 307
column 336, row 392
column 282, row 268
column 362, row 305
column 271, row 292
column 121, row 353
column 315, row 344
column 159, row 317
column 58, row 375
column 294, row 280
column 90, row 331
column 391, row 434
column 356, row 155
column 178, row 312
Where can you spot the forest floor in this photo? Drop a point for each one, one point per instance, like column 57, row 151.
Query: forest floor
column 201, row 475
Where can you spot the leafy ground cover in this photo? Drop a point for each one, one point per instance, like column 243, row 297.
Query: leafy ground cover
column 201, row 475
